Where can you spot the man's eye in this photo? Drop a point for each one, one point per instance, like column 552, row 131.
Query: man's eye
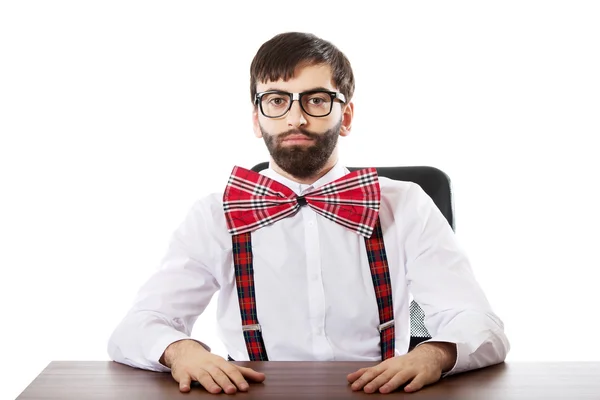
column 277, row 101
column 317, row 101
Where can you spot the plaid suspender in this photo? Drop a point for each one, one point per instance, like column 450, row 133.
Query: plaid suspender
column 380, row 274
column 244, row 279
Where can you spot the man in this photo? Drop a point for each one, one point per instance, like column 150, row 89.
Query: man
column 302, row 278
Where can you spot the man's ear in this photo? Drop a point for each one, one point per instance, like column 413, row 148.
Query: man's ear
column 255, row 125
column 347, row 116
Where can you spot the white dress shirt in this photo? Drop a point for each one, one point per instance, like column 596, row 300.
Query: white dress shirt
column 314, row 293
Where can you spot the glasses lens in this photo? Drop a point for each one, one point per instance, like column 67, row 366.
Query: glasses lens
column 275, row 104
column 317, row 104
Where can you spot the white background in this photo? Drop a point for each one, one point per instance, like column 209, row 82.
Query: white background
column 115, row 116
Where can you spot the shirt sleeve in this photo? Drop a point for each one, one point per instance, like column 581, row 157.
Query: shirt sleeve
column 441, row 281
column 169, row 303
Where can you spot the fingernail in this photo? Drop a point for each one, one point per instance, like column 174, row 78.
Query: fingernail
column 243, row 386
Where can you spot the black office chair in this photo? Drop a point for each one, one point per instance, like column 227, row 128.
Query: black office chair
column 437, row 185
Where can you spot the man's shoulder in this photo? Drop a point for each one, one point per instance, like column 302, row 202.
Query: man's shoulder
column 209, row 205
column 402, row 196
column 207, row 211
column 396, row 187
column 211, row 200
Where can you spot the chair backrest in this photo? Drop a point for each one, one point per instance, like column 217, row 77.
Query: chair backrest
column 437, row 185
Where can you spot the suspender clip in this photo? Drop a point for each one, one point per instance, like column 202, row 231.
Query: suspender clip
column 253, row 327
column 386, row 325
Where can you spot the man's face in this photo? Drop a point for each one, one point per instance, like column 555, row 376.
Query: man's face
column 301, row 144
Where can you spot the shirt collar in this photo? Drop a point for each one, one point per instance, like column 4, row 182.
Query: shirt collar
column 302, row 188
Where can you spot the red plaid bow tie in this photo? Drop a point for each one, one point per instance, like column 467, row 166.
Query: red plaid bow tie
column 252, row 200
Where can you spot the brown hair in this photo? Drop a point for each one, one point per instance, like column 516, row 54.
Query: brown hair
column 280, row 56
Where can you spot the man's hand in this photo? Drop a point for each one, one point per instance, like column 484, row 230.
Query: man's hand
column 424, row 365
column 189, row 361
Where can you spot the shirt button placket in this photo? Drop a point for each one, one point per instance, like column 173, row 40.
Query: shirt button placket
column 315, row 284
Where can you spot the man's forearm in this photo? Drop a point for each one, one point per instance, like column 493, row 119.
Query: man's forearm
column 445, row 353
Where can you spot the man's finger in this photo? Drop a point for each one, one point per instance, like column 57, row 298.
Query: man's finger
column 185, row 381
column 355, row 375
column 398, row 380
column 204, row 378
column 235, row 376
column 251, row 374
column 417, row 383
column 368, row 376
column 379, row 381
column 222, row 379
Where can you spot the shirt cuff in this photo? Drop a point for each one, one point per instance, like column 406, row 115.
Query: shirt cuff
column 481, row 350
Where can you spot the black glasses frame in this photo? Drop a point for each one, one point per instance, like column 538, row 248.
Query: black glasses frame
column 298, row 96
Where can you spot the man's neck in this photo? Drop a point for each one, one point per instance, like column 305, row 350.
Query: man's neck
column 308, row 180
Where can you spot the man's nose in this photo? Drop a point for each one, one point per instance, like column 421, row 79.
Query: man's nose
column 295, row 116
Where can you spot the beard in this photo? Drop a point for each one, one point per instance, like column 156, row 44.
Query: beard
column 302, row 161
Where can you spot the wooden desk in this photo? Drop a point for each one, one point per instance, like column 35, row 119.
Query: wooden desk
column 318, row 380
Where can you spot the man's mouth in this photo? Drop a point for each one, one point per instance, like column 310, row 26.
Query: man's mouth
column 297, row 139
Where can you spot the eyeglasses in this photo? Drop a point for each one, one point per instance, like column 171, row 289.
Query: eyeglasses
column 316, row 103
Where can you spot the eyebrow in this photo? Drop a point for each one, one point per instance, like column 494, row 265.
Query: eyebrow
column 309, row 90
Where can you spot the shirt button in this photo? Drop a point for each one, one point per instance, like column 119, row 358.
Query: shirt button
column 315, row 277
column 311, row 223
